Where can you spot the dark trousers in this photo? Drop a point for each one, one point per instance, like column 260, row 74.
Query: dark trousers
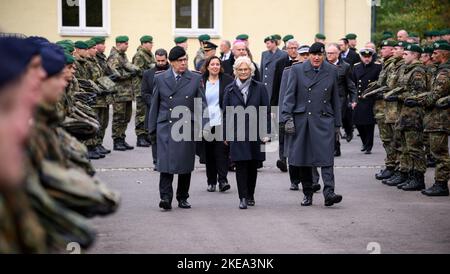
column 216, row 154
column 294, row 174
column 347, row 113
column 327, row 178
column 246, row 173
column 166, row 190
column 304, row 175
column 281, row 142
column 366, row 134
column 154, row 153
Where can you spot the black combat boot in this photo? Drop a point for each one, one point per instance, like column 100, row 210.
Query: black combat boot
column 416, row 183
column 396, row 174
column 431, row 162
column 385, row 173
column 400, row 179
column 127, row 146
column 97, row 150
column 142, row 141
column 92, row 154
column 438, row 189
column 118, row 145
column 103, row 150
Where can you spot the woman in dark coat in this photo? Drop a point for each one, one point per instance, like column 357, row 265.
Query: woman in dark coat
column 247, row 136
column 215, row 152
column 365, row 73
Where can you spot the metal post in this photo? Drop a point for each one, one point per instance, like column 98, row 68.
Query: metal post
column 322, row 16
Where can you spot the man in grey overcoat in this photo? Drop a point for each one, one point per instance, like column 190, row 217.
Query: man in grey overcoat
column 312, row 111
column 269, row 60
column 175, row 90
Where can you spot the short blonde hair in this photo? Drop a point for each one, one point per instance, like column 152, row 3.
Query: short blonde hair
column 243, row 60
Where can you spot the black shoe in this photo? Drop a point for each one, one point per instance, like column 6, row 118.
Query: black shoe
column 282, row 166
column 316, row 187
column 416, row 183
column 393, row 177
column 259, row 165
column 307, row 200
column 251, row 201
column 368, row 152
column 127, row 146
column 99, row 152
column 363, row 148
column 337, row 152
column 232, row 167
column 93, row 155
column 438, row 189
column 142, row 142
column 400, row 178
column 103, row 150
column 333, row 199
column 184, row 204
column 165, row 204
column 349, row 137
column 384, row 174
column 224, row 187
column 243, row 203
column 118, row 145
column 211, row 188
column 294, row 187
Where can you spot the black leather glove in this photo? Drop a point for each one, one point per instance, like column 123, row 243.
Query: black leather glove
column 411, row 103
column 289, row 127
column 392, row 98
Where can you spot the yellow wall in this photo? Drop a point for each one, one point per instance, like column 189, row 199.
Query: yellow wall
column 258, row 18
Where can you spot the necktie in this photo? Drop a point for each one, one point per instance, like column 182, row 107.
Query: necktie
column 178, row 78
column 316, row 70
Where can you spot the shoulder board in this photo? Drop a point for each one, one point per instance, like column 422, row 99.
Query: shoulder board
column 359, row 63
column 288, row 68
column 197, row 72
column 159, row 71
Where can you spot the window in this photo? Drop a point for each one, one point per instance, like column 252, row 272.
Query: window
column 195, row 17
column 83, row 17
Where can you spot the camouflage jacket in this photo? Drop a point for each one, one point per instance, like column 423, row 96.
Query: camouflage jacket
column 81, row 71
column 388, row 66
column 437, row 120
column 101, row 61
column 199, row 56
column 124, row 71
column 144, row 60
column 414, row 82
column 96, row 72
column 392, row 109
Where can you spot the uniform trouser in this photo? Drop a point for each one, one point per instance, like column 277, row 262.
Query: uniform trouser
column 121, row 117
column 141, row 109
column 294, row 174
column 413, row 155
column 327, row 178
column 304, row 174
column 439, row 150
column 281, row 142
column 426, row 145
column 366, row 134
column 216, row 162
column 246, row 174
column 166, row 190
column 347, row 119
column 154, row 153
column 387, row 136
column 103, row 119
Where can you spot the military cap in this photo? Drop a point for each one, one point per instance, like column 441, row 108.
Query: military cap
column 209, row 45
column 122, row 39
column 99, row 39
column 69, row 58
column 317, row 48
column 276, row 37
column 442, row 41
column 91, row 43
column 180, row 39
column 413, row 34
column 204, row 37
column 351, row 36
column 366, row 52
column 242, row 37
column 146, row 39
column 402, row 44
column 303, row 49
column 445, row 32
column 66, row 46
column 288, row 37
column 441, row 46
column 413, row 47
column 428, row 50
column 269, row 38
column 435, row 33
column 81, row 45
column 16, row 54
column 387, row 34
column 388, row 43
column 321, row 36
column 67, row 41
column 53, row 59
column 427, row 33
column 176, row 52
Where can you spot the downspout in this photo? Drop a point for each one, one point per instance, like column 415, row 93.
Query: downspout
column 322, row 16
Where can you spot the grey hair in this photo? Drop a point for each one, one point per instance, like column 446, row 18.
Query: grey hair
column 243, row 60
column 334, row 45
column 292, row 41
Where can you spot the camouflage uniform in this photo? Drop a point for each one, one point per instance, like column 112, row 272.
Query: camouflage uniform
column 431, row 69
column 103, row 102
column 122, row 107
column 94, row 72
column 437, row 123
column 410, row 121
column 81, row 71
column 199, row 56
column 144, row 60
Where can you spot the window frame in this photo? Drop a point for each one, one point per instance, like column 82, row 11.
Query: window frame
column 194, row 31
column 82, row 30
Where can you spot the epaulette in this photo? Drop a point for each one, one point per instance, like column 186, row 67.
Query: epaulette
column 195, row 71
column 288, row 68
column 159, row 71
column 359, row 63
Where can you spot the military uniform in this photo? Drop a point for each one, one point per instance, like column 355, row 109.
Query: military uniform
column 144, row 60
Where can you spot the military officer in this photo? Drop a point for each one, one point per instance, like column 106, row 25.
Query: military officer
column 269, row 59
column 200, row 55
column 181, row 41
column 320, row 38
column 209, row 49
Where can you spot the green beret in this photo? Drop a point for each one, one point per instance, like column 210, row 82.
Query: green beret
column 351, row 36
column 446, row 32
column 81, row 45
column 180, row 39
column 288, row 37
column 321, row 36
column 146, row 39
column 98, row 39
column 70, row 42
column 428, row 50
column 204, row 37
column 414, row 47
column 122, row 39
column 388, row 43
column 414, row 35
column 441, row 46
column 276, row 37
column 441, row 41
column 69, row 58
column 91, row 43
column 387, row 34
column 435, row 33
column 402, row 44
column 428, row 33
column 66, row 46
column 269, row 38
column 242, row 37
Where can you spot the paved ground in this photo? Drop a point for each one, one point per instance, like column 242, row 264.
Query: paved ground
column 397, row 221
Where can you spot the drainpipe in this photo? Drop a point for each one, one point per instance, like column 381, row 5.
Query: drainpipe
column 322, row 16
